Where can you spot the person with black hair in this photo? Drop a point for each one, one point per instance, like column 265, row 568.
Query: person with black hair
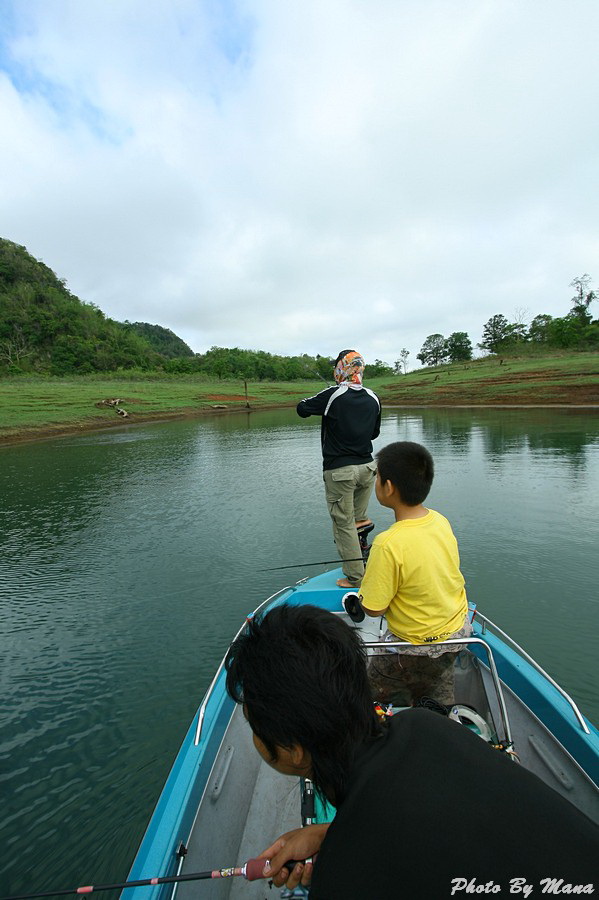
column 423, row 805
column 413, row 577
column 351, row 419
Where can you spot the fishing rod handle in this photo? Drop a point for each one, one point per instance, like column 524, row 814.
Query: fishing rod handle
column 254, row 868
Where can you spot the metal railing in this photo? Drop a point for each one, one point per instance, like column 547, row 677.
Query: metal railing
column 579, row 716
column 492, row 669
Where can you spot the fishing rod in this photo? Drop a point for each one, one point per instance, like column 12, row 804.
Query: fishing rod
column 318, row 375
column 251, row 870
column 325, row 562
column 363, row 533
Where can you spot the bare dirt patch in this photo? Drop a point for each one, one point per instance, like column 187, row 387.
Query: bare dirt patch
column 288, row 392
column 222, row 397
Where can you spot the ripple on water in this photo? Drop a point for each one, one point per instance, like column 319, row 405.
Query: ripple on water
column 128, row 560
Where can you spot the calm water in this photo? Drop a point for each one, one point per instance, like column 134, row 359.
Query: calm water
column 129, row 558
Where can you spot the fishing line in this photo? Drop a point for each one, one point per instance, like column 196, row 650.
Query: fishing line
column 251, row 871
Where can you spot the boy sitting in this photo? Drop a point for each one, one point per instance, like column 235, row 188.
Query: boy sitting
column 413, row 578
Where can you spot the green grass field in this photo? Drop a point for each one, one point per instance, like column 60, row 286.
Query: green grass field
column 564, row 379
column 30, row 405
column 36, row 407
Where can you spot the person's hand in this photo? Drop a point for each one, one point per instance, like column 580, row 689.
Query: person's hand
column 299, row 844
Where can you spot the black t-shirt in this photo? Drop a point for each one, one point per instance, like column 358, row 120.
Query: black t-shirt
column 431, row 802
column 351, row 419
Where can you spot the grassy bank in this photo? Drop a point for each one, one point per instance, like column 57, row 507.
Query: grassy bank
column 564, row 379
column 39, row 407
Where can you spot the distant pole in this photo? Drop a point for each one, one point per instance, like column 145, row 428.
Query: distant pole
column 247, row 404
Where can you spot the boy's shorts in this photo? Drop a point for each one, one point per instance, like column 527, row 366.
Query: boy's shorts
column 432, row 650
column 402, row 675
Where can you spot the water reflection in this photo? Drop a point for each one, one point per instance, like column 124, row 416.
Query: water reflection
column 568, row 433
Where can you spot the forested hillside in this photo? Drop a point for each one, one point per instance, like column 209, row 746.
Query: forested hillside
column 162, row 340
column 46, row 329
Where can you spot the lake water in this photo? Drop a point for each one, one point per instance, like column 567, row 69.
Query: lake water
column 129, row 558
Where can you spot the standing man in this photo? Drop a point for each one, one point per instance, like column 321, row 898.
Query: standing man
column 351, row 419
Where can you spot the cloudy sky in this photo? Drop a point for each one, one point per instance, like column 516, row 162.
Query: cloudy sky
column 305, row 175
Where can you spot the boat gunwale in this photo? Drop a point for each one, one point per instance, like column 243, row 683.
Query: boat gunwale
column 202, row 710
column 529, row 659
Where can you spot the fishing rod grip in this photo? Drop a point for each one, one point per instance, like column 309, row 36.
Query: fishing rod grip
column 254, row 868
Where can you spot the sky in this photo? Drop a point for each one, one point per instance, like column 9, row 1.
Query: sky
column 302, row 176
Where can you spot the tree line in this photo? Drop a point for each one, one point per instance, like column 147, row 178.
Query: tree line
column 258, row 365
column 45, row 329
column 577, row 330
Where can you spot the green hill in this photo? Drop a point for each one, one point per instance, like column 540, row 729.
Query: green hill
column 163, row 340
column 46, row 329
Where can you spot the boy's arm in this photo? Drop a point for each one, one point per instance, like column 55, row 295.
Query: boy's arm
column 380, row 583
column 373, row 612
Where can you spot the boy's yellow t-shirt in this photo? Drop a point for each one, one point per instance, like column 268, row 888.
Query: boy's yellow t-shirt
column 413, row 572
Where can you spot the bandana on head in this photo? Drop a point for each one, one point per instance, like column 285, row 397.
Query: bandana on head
column 349, row 369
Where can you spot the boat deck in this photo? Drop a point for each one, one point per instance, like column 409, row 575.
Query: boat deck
column 242, row 809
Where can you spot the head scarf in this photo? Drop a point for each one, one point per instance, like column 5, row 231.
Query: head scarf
column 350, row 368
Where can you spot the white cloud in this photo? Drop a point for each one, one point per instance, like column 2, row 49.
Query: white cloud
column 297, row 176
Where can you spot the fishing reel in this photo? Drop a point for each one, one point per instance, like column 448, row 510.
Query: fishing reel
column 363, row 533
column 352, row 606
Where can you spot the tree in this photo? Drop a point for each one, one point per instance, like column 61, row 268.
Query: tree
column 495, row 331
column 518, row 333
column 538, row 332
column 458, row 347
column 376, row 369
column 433, row 350
column 401, row 364
column 583, row 298
column 324, row 365
column 565, row 332
column 14, row 348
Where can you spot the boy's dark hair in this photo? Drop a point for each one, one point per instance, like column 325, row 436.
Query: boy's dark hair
column 341, row 355
column 300, row 672
column 409, row 467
